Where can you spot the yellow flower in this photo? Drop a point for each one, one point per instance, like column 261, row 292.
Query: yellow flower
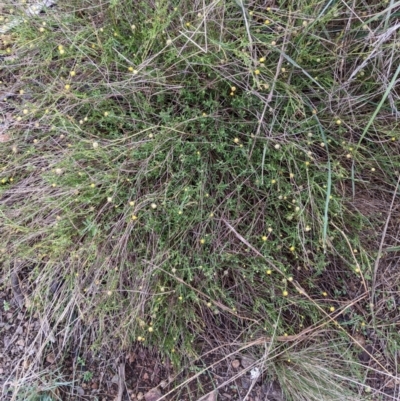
column 257, row 72
column 269, row 271
column 264, row 237
column 67, row 87
column 262, row 59
column 236, row 140
column 202, row 241
column 130, row 69
column 332, row 309
column 233, row 88
column 292, row 248
column 285, row 293
column 72, row 73
column 151, row 329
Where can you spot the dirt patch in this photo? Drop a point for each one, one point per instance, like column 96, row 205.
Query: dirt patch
column 76, row 372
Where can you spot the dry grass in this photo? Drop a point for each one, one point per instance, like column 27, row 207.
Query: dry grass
column 210, row 172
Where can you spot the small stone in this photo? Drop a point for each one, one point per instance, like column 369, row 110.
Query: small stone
column 145, row 376
column 21, row 342
column 247, row 361
column 95, row 386
column 235, row 363
column 51, row 358
column 139, row 396
column 131, row 357
column 246, row 382
column 364, row 356
column 153, row 395
column 80, row 390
